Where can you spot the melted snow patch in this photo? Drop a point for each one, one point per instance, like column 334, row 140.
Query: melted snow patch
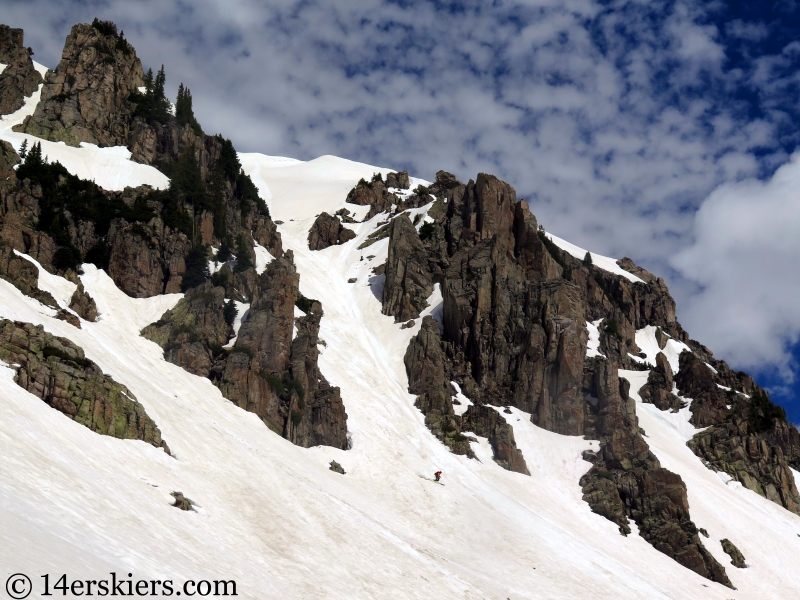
column 242, row 310
column 263, row 257
column 60, row 288
column 646, row 340
column 5, row 370
column 603, row 262
column 593, row 347
column 435, row 307
column 678, row 422
column 464, row 402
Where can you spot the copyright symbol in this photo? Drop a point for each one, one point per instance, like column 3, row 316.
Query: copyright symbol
column 19, row 586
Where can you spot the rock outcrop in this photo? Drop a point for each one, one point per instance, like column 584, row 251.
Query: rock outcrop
column 328, row 231
column 55, row 370
column 737, row 558
column 409, row 282
column 19, row 79
column 398, row 180
column 513, row 333
column 736, row 448
column 83, row 304
column 193, row 333
column 376, row 195
column 658, row 389
column 266, row 371
column 86, row 99
column 8, row 160
column 23, row 274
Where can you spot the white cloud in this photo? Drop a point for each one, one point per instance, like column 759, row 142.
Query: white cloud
column 746, row 258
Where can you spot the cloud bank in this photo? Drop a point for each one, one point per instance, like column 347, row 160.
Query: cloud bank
column 646, row 129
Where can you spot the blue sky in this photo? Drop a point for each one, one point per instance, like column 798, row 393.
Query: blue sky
column 661, row 130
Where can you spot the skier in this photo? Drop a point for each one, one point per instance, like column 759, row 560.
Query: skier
column 438, row 474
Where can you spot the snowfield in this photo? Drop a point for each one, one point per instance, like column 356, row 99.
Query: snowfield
column 273, row 517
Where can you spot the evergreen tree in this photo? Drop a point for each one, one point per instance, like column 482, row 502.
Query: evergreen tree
column 243, row 260
column 158, row 87
column 23, row 149
column 229, row 312
column 184, row 113
column 34, row 157
column 148, row 82
column 587, row 260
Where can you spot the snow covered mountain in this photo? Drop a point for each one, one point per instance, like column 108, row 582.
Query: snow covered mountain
column 289, row 350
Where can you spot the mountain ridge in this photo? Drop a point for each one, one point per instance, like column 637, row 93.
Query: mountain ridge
column 484, row 255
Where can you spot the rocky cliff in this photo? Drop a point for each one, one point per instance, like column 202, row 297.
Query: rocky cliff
column 55, row 370
column 19, row 79
column 86, row 99
column 267, row 371
column 513, row 333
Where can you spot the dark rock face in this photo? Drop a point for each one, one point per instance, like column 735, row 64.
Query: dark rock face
column 696, row 381
column 8, row 159
column 23, row 275
column 86, row 98
column 328, row 231
column 747, row 436
column 627, row 480
column 376, row 195
column 747, row 457
column 56, row 371
column 147, row 260
column 337, row 468
column 193, row 332
column 658, row 389
column 266, row 372
column 83, row 304
column 737, row 558
column 514, row 313
column 408, row 280
column 398, row 180
column 19, row 79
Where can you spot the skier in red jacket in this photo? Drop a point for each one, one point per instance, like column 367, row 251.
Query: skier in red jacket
column 438, row 474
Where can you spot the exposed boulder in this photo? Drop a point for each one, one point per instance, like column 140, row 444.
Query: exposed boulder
column 19, row 79
column 83, row 304
column 55, row 370
column 181, row 501
column 737, row 558
column 328, row 231
column 86, row 98
column 336, row 467
column 658, row 389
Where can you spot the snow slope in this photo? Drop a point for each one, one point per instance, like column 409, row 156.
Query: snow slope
column 273, row 517
column 110, row 168
column 604, row 262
